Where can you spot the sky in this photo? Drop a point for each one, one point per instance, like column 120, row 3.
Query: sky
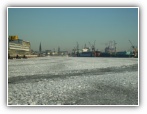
column 64, row 27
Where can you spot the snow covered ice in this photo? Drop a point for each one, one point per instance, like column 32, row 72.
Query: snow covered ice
column 73, row 81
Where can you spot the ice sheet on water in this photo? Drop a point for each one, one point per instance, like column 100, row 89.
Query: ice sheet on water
column 110, row 89
column 87, row 86
column 63, row 65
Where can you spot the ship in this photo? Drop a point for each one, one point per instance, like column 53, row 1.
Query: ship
column 18, row 48
column 110, row 51
column 86, row 52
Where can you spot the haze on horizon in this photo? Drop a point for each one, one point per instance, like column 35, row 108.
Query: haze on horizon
column 64, row 27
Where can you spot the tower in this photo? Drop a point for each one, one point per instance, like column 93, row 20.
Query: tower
column 40, row 49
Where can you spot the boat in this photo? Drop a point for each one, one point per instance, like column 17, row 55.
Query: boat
column 18, row 47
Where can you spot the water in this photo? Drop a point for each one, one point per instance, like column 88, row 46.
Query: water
column 73, row 81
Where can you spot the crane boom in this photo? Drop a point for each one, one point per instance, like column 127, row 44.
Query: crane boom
column 90, row 44
column 94, row 43
column 131, row 44
column 77, row 45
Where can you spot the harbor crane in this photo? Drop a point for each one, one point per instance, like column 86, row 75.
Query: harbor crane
column 131, row 44
column 115, row 45
column 135, row 50
column 92, row 46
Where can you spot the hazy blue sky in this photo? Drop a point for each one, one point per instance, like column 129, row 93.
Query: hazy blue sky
column 64, row 27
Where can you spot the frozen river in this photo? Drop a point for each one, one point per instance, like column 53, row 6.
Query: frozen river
column 73, row 81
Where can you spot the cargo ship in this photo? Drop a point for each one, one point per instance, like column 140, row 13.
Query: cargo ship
column 86, row 53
